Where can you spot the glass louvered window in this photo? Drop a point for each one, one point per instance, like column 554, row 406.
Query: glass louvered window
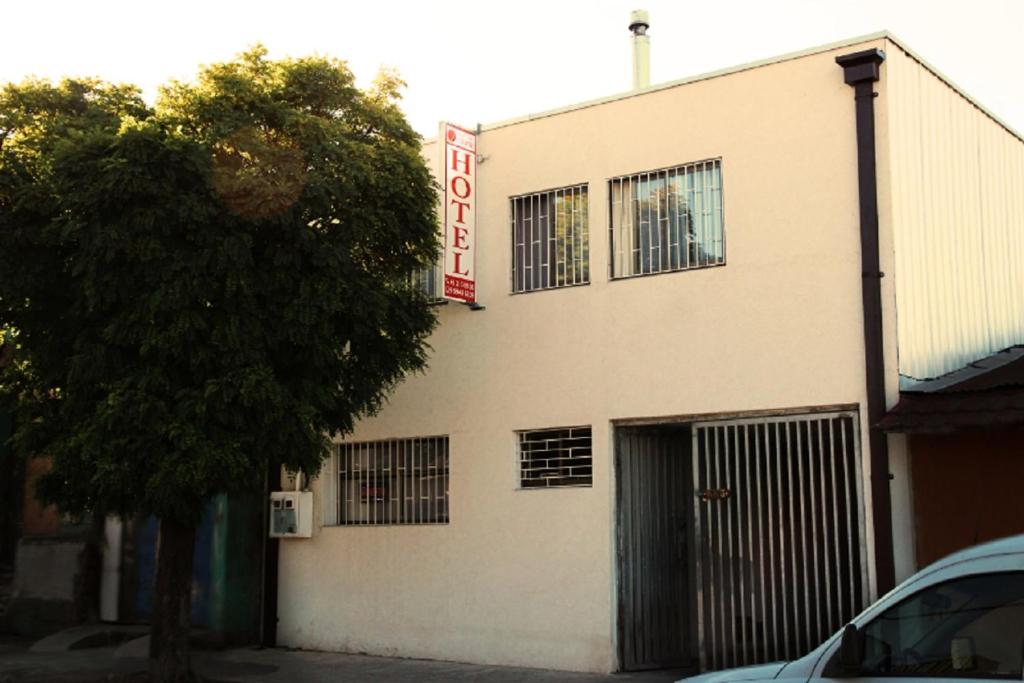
column 429, row 281
column 550, row 241
column 555, row 457
column 667, row 220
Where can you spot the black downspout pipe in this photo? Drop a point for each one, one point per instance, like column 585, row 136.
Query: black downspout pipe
column 861, row 70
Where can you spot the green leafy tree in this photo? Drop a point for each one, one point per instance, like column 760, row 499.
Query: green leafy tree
column 201, row 289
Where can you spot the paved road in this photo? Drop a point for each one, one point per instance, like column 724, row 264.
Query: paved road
column 19, row 665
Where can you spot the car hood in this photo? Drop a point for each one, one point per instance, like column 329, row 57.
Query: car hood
column 760, row 672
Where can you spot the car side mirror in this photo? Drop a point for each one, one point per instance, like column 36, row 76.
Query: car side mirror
column 849, row 660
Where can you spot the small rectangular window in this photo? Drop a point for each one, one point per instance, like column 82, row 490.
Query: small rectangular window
column 397, row 481
column 555, row 457
column 667, row 220
column 550, row 242
column 429, row 281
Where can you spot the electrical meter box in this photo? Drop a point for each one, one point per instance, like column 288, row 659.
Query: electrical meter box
column 291, row 514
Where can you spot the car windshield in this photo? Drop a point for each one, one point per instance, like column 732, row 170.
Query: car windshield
column 970, row 627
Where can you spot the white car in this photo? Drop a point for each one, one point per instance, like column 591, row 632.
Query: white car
column 960, row 618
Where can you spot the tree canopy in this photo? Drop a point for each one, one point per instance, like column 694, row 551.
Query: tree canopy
column 201, row 287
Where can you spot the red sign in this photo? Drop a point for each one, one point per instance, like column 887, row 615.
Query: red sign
column 370, row 493
column 459, row 165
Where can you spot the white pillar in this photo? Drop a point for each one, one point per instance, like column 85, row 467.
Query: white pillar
column 110, row 581
column 901, row 495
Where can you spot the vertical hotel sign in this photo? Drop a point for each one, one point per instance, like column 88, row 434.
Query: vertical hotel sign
column 459, row 165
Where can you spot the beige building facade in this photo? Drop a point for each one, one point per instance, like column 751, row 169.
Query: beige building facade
column 698, row 319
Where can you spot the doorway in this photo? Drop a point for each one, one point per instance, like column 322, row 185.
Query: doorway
column 656, row 614
column 737, row 541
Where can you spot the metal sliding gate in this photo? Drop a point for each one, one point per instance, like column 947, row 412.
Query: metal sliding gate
column 779, row 548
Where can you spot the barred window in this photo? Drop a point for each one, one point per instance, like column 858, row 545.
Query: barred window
column 397, row 481
column 550, row 243
column 555, row 457
column 667, row 220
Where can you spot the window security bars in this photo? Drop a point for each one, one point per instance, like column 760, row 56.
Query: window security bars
column 398, row 481
column 667, row 220
column 550, row 241
column 555, row 457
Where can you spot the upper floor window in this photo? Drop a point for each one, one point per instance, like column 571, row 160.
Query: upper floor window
column 550, row 242
column 430, row 281
column 667, row 220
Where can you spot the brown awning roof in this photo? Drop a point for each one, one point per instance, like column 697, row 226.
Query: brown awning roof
column 989, row 393
column 952, row 412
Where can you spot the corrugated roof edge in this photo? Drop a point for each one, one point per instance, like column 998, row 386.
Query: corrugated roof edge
column 981, row 366
column 879, row 35
column 960, row 91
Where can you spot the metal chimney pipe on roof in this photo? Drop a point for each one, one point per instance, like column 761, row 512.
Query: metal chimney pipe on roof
column 639, row 22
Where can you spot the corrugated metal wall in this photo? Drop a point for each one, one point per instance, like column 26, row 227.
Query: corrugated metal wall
column 958, row 219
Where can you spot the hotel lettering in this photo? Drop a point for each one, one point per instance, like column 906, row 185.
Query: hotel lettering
column 459, row 164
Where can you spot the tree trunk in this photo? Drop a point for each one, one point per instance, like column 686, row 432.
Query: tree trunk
column 172, row 602
column 86, row 597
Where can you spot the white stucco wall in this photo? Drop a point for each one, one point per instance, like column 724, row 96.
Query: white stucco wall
column 526, row 577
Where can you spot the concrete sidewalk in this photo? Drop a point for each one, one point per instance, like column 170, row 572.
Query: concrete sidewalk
column 19, row 665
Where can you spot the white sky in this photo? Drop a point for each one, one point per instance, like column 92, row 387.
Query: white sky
column 484, row 61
